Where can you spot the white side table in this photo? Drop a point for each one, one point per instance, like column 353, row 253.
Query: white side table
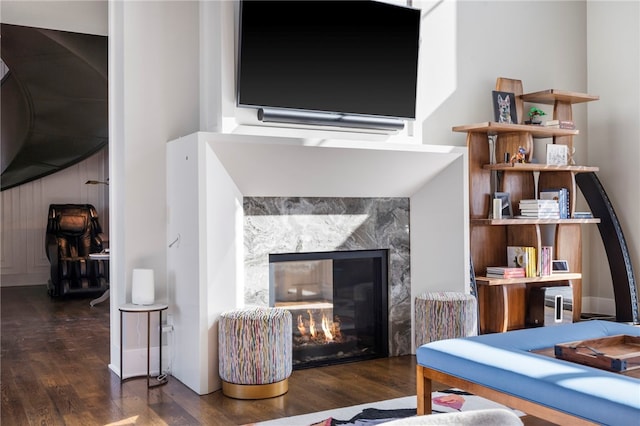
column 104, row 259
column 148, row 309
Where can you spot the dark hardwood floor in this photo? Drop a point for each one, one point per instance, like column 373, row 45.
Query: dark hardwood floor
column 54, row 371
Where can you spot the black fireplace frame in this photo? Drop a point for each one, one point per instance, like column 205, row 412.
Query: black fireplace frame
column 381, row 298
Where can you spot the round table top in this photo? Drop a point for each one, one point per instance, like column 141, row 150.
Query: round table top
column 99, row 256
column 130, row 307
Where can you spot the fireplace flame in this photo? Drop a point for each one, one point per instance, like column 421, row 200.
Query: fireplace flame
column 326, row 328
column 328, row 332
column 312, row 324
column 301, row 328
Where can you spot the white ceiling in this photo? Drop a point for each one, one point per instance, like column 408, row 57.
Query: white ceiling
column 78, row 16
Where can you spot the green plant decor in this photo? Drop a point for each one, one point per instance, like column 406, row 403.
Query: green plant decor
column 535, row 114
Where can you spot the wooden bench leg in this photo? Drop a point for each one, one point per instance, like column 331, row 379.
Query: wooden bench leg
column 423, row 389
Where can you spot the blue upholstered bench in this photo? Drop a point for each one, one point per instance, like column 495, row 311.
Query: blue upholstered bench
column 501, row 367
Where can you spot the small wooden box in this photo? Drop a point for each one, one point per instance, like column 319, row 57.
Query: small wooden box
column 614, row 353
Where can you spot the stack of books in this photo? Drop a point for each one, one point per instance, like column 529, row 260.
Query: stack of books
column 561, row 195
column 523, row 257
column 560, row 124
column 540, row 209
column 505, row 272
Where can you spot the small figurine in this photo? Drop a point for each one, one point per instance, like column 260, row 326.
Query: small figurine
column 519, row 157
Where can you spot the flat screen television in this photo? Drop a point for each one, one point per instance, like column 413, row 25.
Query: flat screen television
column 337, row 57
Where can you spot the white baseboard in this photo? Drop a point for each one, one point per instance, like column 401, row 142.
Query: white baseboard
column 598, row 305
column 19, row 280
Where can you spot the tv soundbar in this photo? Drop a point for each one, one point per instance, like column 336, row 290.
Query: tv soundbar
column 276, row 115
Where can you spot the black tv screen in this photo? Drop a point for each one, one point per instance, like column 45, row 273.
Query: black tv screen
column 351, row 57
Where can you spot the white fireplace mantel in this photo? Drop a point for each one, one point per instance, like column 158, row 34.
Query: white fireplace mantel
column 208, row 174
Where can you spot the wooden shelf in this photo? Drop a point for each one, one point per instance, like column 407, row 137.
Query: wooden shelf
column 565, row 276
column 538, row 167
column 493, row 128
column 532, row 221
column 552, row 96
column 510, row 304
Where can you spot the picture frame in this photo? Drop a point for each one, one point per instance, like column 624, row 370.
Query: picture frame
column 504, row 107
column 507, row 211
column 557, row 154
column 559, row 266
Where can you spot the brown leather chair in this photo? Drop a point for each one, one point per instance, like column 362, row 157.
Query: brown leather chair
column 73, row 232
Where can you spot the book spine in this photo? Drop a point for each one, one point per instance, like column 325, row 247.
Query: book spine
column 546, row 255
column 561, row 124
column 532, row 265
column 564, row 203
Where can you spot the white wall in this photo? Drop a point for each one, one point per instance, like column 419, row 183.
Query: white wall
column 614, row 132
column 492, row 39
column 154, row 98
column 204, row 263
column 88, row 16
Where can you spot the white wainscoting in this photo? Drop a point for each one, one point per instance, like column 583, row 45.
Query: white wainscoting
column 24, row 209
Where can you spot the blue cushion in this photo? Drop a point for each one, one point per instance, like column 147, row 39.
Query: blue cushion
column 503, row 362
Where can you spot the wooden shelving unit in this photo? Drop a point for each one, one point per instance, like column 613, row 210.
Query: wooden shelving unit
column 532, row 221
column 504, row 303
column 493, row 128
column 548, row 279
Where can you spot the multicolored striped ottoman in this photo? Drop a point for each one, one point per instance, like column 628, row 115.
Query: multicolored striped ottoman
column 444, row 315
column 254, row 348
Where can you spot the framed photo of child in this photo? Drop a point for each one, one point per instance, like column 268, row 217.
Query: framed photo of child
column 504, row 107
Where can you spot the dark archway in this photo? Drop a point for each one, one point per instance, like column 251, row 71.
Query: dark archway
column 54, row 101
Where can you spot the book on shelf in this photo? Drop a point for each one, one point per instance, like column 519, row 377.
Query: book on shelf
column 538, row 215
column 546, row 258
column 523, row 257
column 505, row 272
column 560, row 124
column 582, row 215
column 561, row 195
column 543, row 202
column 541, row 209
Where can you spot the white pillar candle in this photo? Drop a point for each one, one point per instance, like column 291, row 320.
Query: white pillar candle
column 497, row 208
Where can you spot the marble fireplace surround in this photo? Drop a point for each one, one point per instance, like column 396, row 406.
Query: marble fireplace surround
column 209, row 175
column 299, row 224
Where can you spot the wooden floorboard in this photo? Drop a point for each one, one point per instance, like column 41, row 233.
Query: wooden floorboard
column 54, row 356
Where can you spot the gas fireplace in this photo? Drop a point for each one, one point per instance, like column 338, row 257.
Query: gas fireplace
column 338, row 302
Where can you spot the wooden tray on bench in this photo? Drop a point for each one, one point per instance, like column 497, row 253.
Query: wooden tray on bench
column 614, row 353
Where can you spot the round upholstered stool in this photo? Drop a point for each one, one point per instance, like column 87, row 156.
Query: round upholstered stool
column 444, row 315
column 254, row 348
